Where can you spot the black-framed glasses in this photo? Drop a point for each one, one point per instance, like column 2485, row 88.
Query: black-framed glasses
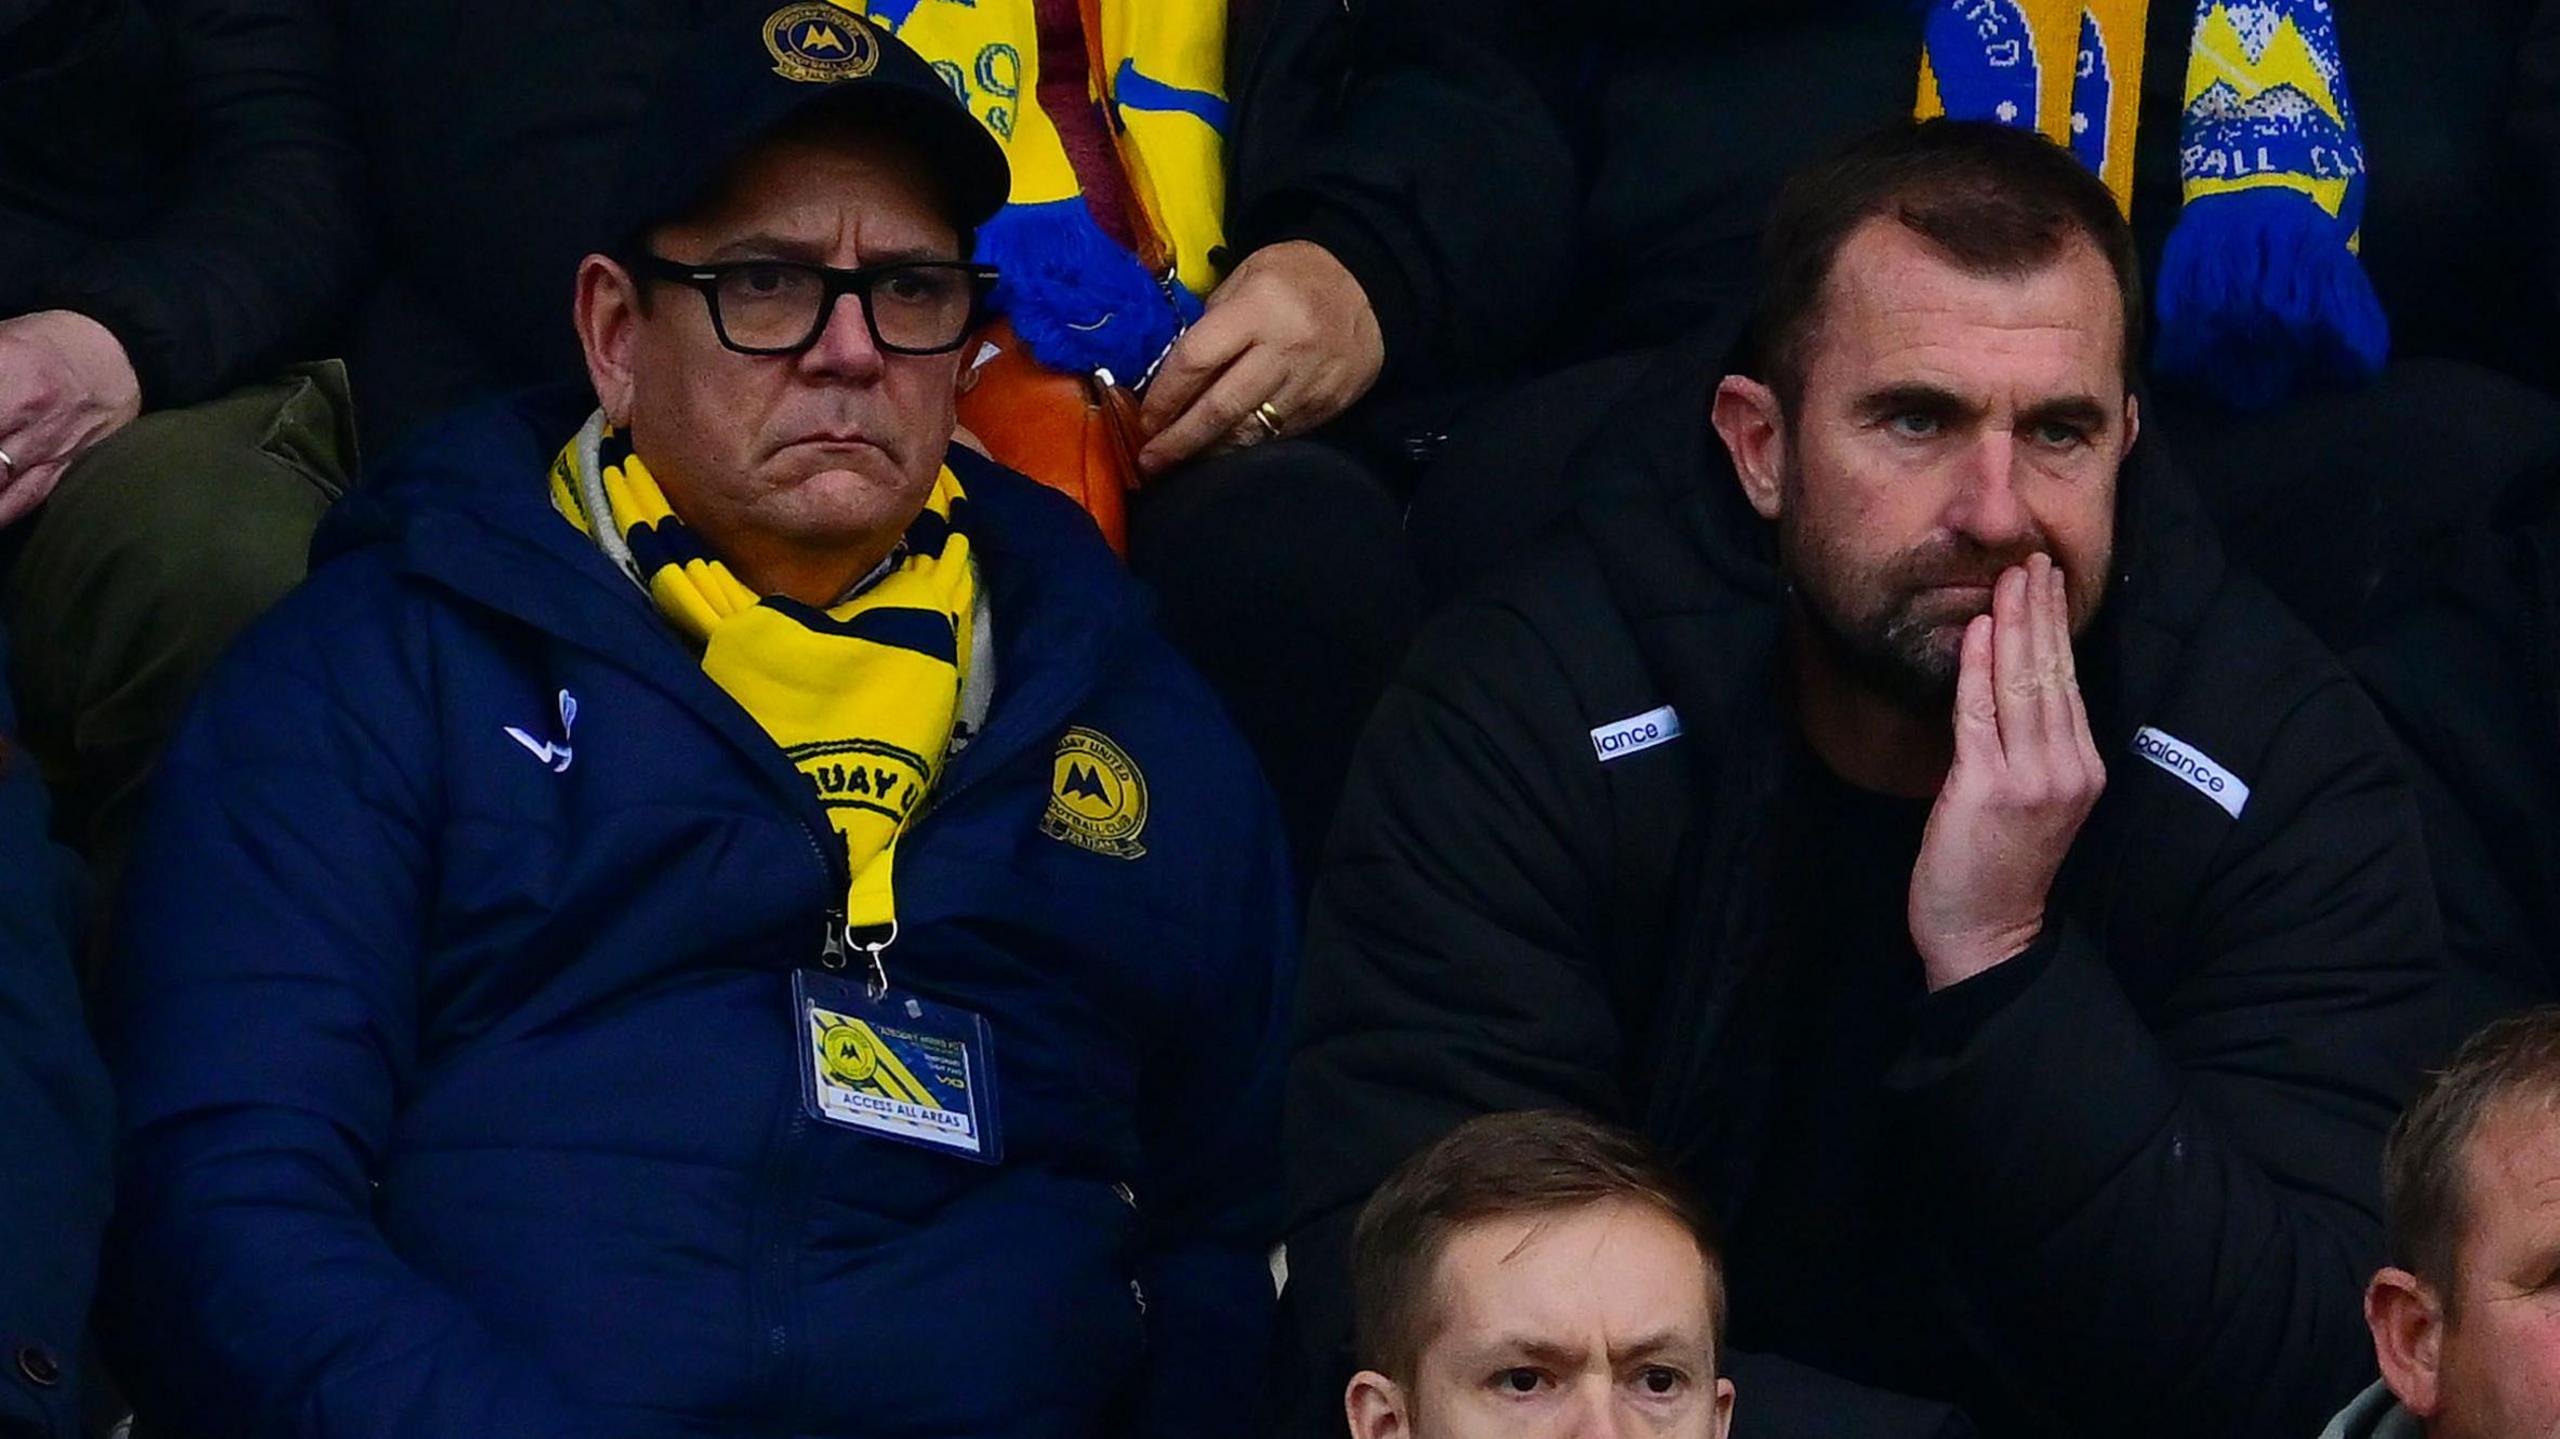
column 778, row 307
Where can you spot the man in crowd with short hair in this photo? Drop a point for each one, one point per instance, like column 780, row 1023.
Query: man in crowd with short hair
column 2006, row 916
column 1543, row 1273
column 1536, row 1273
column 2466, row 1315
column 712, row 911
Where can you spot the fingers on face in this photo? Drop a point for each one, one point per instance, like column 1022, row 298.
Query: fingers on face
column 2057, row 692
column 1977, row 697
column 2077, row 708
column 2018, row 694
column 2066, row 712
column 2015, row 652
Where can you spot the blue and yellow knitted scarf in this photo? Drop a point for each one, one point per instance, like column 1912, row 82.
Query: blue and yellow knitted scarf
column 861, row 695
column 2260, row 290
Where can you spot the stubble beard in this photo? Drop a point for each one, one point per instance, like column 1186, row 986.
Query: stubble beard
column 1908, row 659
column 1905, row 650
column 1906, row 646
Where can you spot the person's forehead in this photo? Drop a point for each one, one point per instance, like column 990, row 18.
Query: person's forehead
column 1621, row 1270
column 1892, row 290
column 2512, row 1172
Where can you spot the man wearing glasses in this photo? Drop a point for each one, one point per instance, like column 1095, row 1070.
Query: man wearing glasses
column 720, row 915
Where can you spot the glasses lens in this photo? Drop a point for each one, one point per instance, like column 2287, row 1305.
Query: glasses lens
column 921, row 307
column 769, row 306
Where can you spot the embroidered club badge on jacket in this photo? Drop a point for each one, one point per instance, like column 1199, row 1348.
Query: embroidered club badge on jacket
column 1097, row 797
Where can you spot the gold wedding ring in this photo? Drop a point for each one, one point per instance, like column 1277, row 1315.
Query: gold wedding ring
column 1268, row 416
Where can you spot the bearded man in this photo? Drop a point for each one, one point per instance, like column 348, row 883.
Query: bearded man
column 2005, row 915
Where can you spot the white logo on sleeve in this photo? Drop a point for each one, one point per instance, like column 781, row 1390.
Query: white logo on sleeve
column 555, row 755
column 1621, row 738
column 2201, row 771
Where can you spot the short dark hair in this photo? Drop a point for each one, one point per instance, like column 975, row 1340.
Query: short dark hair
column 1992, row 199
column 2426, row 1160
column 1497, row 1166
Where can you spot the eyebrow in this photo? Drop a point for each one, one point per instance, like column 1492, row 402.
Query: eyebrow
column 780, row 247
column 1548, row 1352
column 2079, row 411
column 1914, row 398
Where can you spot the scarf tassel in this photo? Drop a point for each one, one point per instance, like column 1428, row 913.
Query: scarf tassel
column 2259, row 296
column 1075, row 296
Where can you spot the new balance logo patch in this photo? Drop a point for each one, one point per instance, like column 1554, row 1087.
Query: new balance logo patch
column 2199, row 770
column 558, row 755
column 1621, row 738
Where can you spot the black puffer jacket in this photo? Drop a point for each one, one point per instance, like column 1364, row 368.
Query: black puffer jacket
column 179, row 171
column 2145, row 1151
column 2470, row 680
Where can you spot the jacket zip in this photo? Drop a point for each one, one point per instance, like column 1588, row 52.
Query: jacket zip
column 790, row 1170
column 790, row 1176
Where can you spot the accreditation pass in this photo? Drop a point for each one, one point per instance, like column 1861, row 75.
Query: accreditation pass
column 899, row 1066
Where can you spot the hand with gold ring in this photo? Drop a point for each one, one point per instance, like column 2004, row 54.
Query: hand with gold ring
column 1263, row 424
column 65, row 384
column 1286, row 344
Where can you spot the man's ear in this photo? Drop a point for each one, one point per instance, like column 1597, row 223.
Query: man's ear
column 1375, row 1405
column 1724, row 1409
column 1754, row 431
column 608, row 318
column 2407, row 1319
column 2132, row 423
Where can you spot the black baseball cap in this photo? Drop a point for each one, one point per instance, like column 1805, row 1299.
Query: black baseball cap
column 734, row 82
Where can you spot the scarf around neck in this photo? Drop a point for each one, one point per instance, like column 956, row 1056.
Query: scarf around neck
column 863, row 696
column 2260, row 291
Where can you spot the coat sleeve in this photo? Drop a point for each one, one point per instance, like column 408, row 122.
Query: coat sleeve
column 1421, row 149
column 53, row 1112
column 269, row 947
column 259, row 245
column 1209, row 1201
column 2176, row 1205
column 1449, row 970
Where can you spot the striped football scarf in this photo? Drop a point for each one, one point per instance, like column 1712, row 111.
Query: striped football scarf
column 861, row 695
column 2260, row 292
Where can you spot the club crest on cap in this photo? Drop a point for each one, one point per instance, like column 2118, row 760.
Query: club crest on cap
column 819, row 43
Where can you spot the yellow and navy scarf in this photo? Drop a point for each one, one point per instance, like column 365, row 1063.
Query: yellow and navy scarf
column 1077, row 298
column 862, row 695
column 2260, row 289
